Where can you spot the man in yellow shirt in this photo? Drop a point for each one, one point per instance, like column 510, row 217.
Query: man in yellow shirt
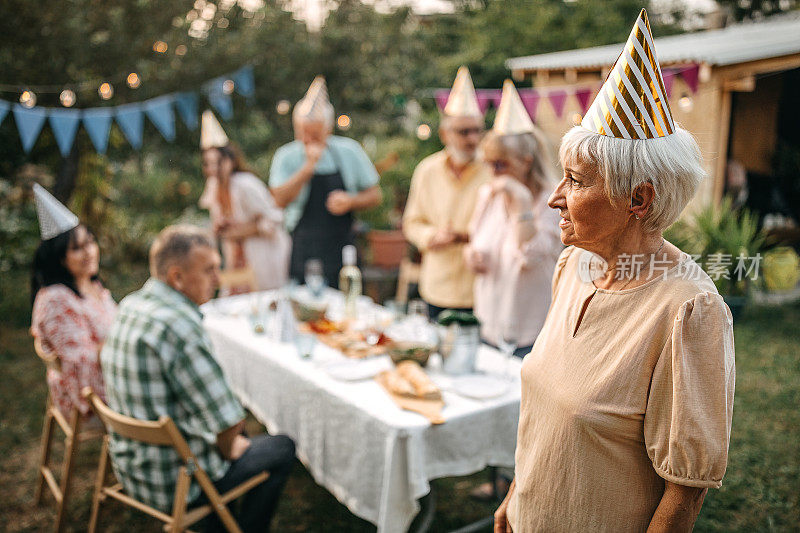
column 441, row 200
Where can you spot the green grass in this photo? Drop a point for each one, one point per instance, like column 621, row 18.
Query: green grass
column 761, row 491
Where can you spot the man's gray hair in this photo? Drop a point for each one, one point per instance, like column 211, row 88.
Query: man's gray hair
column 173, row 245
column 672, row 164
column 328, row 114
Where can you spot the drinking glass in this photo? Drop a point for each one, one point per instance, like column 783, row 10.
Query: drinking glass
column 315, row 277
column 508, row 345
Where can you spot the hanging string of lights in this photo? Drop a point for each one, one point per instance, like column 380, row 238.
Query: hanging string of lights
column 201, row 19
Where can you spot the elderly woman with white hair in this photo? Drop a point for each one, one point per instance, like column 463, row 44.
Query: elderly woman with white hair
column 627, row 395
column 514, row 237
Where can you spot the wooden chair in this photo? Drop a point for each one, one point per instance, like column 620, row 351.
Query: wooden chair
column 74, row 434
column 162, row 432
column 245, row 277
column 409, row 273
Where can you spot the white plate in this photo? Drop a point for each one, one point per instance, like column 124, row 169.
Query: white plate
column 480, row 386
column 357, row 369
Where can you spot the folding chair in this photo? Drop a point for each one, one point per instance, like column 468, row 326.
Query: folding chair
column 238, row 278
column 162, row 432
column 409, row 273
column 73, row 436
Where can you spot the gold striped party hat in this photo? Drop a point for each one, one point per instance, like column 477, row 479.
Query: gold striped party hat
column 632, row 103
column 462, row 102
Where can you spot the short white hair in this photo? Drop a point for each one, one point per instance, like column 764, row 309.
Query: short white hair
column 328, row 116
column 673, row 165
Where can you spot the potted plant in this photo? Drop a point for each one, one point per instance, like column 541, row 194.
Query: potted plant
column 727, row 244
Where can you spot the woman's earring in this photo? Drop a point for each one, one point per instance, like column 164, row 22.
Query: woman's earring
column 637, row 217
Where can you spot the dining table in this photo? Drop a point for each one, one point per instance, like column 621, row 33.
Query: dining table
column 376, row 458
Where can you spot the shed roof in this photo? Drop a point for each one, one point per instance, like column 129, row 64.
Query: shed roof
column 739, row 43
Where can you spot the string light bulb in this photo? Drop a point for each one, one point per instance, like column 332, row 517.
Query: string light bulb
column 27, row 99
column 67, row 98
column 423, row 132
column 227, row 86
column 283, row 107
column 343, row 122
column 577, row 118
column 160, row 47
column 106, row 91
column 686, row 103
column 133, row 80
column 181, row 50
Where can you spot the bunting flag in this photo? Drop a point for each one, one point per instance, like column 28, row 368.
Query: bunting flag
column 557, row 99
column 691, row 75
column 186, row 104
column 484, row 97
column 29, row 124
column 64, row 123
column 530, row 100
column 558, row 96
column 97, row 122
column 584, row 97
column 159, row 111
column 131, row 121
column 222, row 103
column 442, row 95
column 244, row 82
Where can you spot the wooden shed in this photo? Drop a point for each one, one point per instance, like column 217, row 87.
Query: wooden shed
column 736, row 89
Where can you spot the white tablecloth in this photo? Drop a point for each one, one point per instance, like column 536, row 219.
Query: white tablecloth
column 372, row 456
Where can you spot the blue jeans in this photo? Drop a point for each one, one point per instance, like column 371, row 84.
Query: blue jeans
column 275, row 454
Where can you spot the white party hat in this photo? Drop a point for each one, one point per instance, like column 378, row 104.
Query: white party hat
column 211, row 133
column 315, row 105
column 512, row 118
column 462, row 101
column 54, row 218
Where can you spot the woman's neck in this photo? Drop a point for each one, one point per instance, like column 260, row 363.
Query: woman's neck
column 84, row 285
column 628, row 259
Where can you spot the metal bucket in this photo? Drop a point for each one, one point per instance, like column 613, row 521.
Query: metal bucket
column 459, row 349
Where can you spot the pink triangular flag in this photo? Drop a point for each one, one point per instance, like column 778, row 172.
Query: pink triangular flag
column 485, row 98
column 584, row 97
column 557, row 99
column 441, row 96
column 691, row 76
column 530, row 99
column 668, row 75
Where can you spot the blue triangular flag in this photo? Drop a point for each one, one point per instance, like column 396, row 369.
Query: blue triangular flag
column 97, row 122
column 131, row 121
column 159, row 111
column 64, row 123
column 244, row 82
column 29, row 124
column 186, row 104
column 222, row 103
column 4, row 107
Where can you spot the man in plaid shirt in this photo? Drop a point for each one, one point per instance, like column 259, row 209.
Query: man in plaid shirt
column 157, row 360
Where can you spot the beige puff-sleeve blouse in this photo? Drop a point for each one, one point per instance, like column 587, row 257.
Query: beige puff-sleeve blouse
column 639, row 392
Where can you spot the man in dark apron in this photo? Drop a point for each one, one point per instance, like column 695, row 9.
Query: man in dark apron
column 320, row 179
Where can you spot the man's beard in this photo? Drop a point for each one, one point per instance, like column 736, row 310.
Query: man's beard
column 460, row 157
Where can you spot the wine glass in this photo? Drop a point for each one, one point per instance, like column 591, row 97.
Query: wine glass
column 315, row 277
column 418, row 308
column 508, row 343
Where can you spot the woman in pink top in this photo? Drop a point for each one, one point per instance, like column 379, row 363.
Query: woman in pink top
column 72, row 313
column 514, row 240
column 245, row 216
